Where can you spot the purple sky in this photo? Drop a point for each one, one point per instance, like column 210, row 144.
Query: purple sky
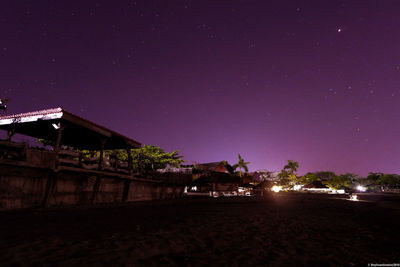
column 315, row 81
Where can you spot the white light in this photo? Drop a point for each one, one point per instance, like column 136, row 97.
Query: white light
column 276, row 188
column 354, row 197
column 361, row 188
column 297, row 187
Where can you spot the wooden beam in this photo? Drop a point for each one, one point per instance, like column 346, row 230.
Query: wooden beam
column 128, row 150
column 102, row 143
column 60, row 130
column 10, row 134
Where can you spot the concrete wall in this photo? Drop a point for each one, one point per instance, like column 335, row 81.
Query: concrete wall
column 26, row 187
column 21, row 187
column 139, row 191
column 70, row 188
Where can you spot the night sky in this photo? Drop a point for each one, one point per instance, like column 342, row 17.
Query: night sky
column 315, row 81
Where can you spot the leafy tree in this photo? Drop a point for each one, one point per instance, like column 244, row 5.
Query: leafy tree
column 373, row 177
column 294, row 179
column 389, row 179
column 283, row 178
column 241, row 165
column 325, row 175
column 338, row 182
column 287, row 177
column 151, row 157
column 309, row 178
column 351, row 176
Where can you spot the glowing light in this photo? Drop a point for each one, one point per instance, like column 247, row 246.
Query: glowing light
column 276, row 188
column 361, row 188
column 297, row 187
column 354, row 197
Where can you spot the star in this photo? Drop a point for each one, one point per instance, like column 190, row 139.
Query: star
column 339, row 30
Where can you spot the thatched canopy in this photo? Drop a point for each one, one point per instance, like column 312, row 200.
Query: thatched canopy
column 77, row 132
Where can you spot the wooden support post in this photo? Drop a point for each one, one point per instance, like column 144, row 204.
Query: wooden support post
column 115, row 161
column 102, row 143
column 59, row 136
column 10, row 134
column 80, row 159
column 128, row 150
column 58, row 142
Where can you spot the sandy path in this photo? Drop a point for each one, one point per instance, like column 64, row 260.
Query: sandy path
column 282, row 231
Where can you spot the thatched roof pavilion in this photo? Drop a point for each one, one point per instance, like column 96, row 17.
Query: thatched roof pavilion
column 65, row 128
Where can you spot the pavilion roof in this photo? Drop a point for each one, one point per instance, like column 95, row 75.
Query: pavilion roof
column 78, row 132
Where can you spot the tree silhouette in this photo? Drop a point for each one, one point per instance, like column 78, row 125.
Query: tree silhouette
column 291, row 167
column 241, row 165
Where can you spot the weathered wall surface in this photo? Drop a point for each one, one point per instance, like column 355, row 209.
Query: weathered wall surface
column 110, row 190
column 69, row 188
column 139, row 191
column 21, row 187
column 26, row 187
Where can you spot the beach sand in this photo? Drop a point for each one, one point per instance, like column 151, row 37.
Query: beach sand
column 282, row 230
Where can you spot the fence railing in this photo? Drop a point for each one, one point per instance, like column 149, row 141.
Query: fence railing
column 82, row 160
column 21, row 153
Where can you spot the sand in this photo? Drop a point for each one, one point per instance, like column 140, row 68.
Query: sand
column 283, row 230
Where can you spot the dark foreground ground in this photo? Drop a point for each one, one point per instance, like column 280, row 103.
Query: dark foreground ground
column 285, row 230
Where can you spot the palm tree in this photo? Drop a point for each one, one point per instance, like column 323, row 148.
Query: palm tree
column 291, row 166
column 228, row 167
column 288, row 176
column 241, row 165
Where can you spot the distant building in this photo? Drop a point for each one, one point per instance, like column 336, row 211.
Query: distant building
column 316, row 186
column 186, row 170
column 215, row 184
column 263, row 188
column 212, row 179
column 197, row 168
column 212, row 166
column 264, row 175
